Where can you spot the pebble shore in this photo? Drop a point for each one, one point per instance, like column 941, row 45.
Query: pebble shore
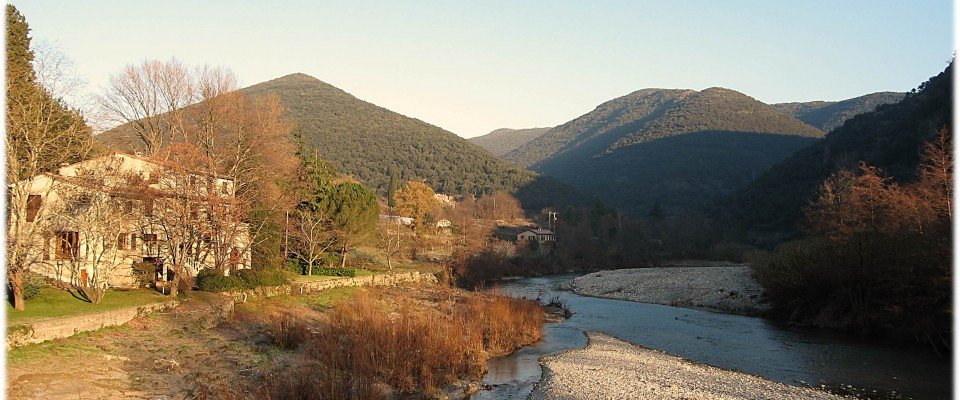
column 609, row 368
column 716, row 286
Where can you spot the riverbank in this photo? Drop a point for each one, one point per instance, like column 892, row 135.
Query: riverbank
column 209, row 348
column 610, row 368
column 716, row 286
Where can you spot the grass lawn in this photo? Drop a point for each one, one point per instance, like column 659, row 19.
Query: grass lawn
column 318, row 301
column 315, row 278
column 58, row 303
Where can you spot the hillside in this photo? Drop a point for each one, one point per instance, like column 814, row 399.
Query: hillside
column 889, row 137
column 364, row 140
column 680, row 148
column 505, row 140
column 829, row 115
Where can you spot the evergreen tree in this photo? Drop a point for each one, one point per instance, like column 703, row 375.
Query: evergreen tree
column 352, row 209
column 41, row 133
column 392, row 188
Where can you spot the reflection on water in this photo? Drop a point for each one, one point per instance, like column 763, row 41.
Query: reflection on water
column 747, row 344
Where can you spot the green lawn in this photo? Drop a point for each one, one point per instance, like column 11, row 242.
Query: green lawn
column 314, row 278
column 319, row 300
column 58, row 303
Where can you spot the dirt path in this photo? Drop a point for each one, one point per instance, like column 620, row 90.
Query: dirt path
column 161, row 356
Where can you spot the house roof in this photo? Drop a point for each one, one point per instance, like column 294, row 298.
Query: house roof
column 168, row 164
column 540, row 231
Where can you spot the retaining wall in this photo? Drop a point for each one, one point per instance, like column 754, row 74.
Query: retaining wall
column 56, row 328
column 389, row 279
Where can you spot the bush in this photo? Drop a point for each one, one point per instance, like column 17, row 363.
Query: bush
column 144, row 273
column 32, row 283
column 212, row 280
column 252, row 278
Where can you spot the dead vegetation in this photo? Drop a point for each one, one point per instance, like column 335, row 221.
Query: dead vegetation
column 377, row 345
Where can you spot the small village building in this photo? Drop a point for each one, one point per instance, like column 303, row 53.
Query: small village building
column 539, row 235
column 444, row 223
column 396, row 219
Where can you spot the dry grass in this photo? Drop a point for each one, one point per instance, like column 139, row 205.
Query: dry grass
column 374, row 349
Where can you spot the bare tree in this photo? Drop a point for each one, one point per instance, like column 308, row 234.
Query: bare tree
column 310, row 235
column 389, row 237
column 148, row 98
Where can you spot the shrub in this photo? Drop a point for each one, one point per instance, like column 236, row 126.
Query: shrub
column 144, row 273
column 32, row 283
column 212, row 280
column 252, row 278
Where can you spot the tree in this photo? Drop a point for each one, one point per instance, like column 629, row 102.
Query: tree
column 41, row 134
column 309, row 227
column 389, row 237
column 353, row 211
column 148, row 98
column 416, row 200
column 392, row 189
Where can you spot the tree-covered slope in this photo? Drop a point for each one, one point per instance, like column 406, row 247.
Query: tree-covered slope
column 367, row 142
column 829, row 115
column 890, row 137
column 505, row 140
column 680, row 148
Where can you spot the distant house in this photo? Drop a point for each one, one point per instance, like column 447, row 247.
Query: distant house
column 444, row 223
column 539, row 235
column 408, row 221
column 445, row 199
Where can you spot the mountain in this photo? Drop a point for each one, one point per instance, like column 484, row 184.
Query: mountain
column 367, row 141
column 829, row 115
column 680, row 148
column 890, row 137
column 504, row 140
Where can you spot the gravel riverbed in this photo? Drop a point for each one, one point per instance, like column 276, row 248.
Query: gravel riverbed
column 609, row 368
column 717, row 286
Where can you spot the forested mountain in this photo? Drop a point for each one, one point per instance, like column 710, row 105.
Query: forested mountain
column 890, row 138
column 828, row 115
column 505, row 140
column 679, row 148
column 368, row 142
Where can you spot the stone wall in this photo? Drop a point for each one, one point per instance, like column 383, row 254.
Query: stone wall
column 56, row 328
column 388, row 279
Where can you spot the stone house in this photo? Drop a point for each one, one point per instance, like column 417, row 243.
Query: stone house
column 103, row 217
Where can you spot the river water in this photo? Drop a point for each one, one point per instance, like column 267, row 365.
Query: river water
column 752, row 345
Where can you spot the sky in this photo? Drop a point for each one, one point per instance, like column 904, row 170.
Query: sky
column 472, row 67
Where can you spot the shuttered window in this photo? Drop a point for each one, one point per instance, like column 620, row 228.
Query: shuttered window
column 68, row 245
column 33, row 206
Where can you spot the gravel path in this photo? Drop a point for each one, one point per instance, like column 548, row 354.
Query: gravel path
column 610, row 368
column 726, row 287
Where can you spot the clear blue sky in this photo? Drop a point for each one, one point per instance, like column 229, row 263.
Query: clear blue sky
column 471, row 67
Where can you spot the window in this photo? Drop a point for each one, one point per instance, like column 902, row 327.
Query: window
column 149, row 237
column 133, row 241
column 122, row 241
column 68, row 245
column 148, row 208
column 225, row 188
column 33, row 206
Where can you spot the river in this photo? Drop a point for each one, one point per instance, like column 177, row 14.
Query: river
column 873, row 370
